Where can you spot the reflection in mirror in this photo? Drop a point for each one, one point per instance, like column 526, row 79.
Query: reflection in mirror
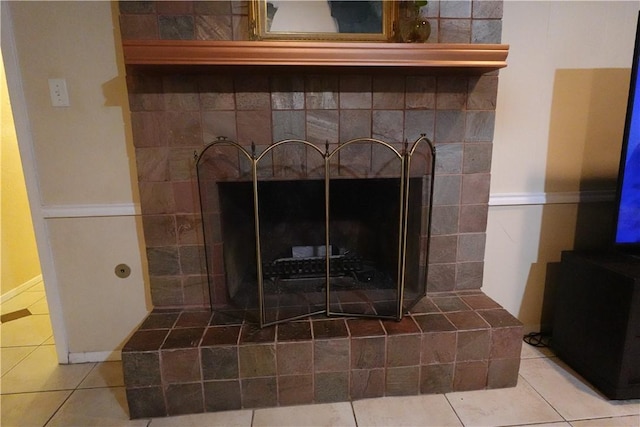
column 322, row 19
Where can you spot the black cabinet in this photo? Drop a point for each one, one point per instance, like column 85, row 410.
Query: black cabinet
column 596, row 326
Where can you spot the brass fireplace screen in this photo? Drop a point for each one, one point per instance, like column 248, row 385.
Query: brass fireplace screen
column 296, row 229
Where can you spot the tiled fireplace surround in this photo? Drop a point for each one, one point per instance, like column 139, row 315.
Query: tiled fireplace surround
column 184, row 358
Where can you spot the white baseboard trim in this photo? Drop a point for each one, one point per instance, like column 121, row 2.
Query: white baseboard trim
column 95, row 356
column 21, row 288
column 573, row 197
column 92, row 210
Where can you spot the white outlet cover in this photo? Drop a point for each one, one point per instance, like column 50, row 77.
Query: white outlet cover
column 58, row 92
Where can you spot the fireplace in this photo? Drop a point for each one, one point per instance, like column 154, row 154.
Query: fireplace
column 188, row 357
column 300, row 229
column 176, row 114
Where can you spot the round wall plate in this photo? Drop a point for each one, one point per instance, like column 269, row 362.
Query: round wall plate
column 122, row 271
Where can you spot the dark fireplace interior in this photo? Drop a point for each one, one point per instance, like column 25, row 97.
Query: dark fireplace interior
column 363, row 245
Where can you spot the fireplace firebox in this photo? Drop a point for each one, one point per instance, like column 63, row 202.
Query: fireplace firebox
column 301, row 229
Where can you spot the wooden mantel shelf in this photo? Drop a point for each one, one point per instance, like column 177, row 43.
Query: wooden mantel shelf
column 479, row 58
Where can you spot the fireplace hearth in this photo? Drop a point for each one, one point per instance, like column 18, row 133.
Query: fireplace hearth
column 182, row 361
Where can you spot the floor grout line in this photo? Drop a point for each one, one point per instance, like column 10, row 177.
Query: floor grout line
column 541, row 396
column 58, row 409
column 353, row 412
column 446, row 396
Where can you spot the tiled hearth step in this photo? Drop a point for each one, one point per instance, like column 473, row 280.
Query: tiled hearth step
column 181, row 362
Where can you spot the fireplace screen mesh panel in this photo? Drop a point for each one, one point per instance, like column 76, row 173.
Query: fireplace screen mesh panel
column 292, row 241
column 298, row 229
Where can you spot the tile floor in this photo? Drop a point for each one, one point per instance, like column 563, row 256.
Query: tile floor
column 36, row 391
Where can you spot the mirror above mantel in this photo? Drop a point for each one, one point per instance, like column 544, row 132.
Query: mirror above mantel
column 469, row 58
column 322, row 20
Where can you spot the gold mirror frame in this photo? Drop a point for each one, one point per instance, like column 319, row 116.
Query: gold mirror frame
column 263, row 14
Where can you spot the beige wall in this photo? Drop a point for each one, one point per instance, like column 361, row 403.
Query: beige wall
column 81, row 154
column 559, row 124
column 20, row 263
column 564, row 87
column 100, row 310
column 85, row 169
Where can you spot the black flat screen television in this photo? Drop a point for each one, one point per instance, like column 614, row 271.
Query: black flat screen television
column 627, row 219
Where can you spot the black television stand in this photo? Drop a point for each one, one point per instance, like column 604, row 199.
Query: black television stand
column 596, row 326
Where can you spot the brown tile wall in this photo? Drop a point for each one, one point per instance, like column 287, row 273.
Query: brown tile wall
column 176, row 115
column 243, row 109
column 198, row 361
column 460, row 21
